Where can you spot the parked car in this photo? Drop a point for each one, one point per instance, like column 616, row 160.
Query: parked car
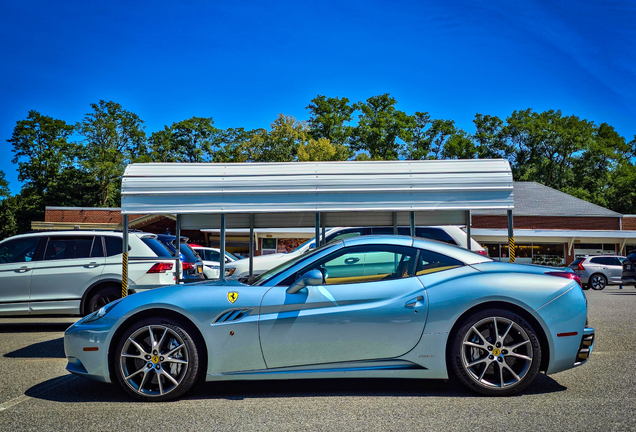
column 75, row 272
column 191, row 262
column 448, row 234
column 366, row 306
column 628, row 276
column 211, row 262
column 597, row 272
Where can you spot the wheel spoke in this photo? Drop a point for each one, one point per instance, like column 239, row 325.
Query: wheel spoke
column 174, row 360
column 170, row 377
column 143, row 381
column 512, row 372
column 506, row 332
column 476, row 362
column 501, row 378
column 521, row 356
column 135, row 373
column 134, row 356
column 494, row 321
column 481, row 376
column 159, row 381
column 479, row 334
column 174, row 350
column 139, row 347
column 514, row 347
column 152, row 338
column 165, row 332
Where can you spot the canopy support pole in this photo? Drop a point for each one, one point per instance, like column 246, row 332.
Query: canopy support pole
column 511, row 238
column 251, row 245
column 124, row 263
column 177, row 252
column 317, row 237
column 222, row 257
column 323, row 222
column 468, row 223
column 412, row 224
column 395, row 228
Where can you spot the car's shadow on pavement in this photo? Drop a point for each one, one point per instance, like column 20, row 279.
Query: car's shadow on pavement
column 34, row 327
column 53, row 348
column 70, row 388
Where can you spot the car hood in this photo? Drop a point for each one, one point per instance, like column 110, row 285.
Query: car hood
column 262, row 262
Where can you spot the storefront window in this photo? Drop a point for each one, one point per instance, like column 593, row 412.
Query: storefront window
column 538, row 253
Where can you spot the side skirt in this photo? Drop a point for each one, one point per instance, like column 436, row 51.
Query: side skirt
column 359, row 369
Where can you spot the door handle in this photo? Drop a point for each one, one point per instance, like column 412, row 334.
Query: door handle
column 413, row 302
column 91, row 265
column 23, row 269
column 352, row 260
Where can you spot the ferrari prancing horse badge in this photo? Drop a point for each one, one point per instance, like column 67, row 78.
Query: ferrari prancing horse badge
column 232, row 296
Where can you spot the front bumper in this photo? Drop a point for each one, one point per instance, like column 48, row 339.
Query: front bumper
column 86, row 348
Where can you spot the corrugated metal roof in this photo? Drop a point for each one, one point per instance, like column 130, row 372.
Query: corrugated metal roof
column 301, row 187
column 535, row 199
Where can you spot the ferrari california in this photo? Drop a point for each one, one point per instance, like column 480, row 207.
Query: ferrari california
column 372, row 306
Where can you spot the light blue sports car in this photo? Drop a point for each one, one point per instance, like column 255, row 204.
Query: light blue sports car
column 385, row 306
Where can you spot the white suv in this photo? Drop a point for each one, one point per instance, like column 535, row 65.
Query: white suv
column 448, row 234
column 75, row 272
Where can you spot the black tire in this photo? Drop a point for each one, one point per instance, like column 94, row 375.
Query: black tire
column 597, row 282
column 102, row 297
column 486, row 361
column 162, row 370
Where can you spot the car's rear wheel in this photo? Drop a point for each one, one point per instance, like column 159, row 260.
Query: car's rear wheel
column 495, row 352
column 598, row 282
column 157, row 359
column 102, row 297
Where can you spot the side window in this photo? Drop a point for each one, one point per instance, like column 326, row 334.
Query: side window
column 19, row 250
column 213, row 255
column 74, row 247
column 114, row 245
column 366, row 264
column 98, row 249
column 435, row 234
column 597, row 260
column 431, row 262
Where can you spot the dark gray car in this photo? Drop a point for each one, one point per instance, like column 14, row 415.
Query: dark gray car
column 597, row 272
column 629, row 270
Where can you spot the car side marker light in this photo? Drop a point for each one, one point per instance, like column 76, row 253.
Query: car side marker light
column 91, row 348
column 567, row 334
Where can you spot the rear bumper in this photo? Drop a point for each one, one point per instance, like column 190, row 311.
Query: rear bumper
column 585, row 347
column 628, row 280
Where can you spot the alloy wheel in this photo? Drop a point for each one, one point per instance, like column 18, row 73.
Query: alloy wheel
column 154, row 360
column 598, row 282
column 496, row 353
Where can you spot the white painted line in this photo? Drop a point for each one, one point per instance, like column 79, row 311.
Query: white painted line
column 55, row 383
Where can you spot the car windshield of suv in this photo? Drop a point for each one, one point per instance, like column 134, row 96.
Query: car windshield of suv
column 232, row 256
column 188, row 251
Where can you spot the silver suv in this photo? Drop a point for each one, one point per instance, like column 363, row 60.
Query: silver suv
column 75, row 272
column 597, row 272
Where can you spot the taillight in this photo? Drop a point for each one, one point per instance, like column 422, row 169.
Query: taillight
column 580, row 267
column 160, row 268
column 187, row 266
column 568, row 275
column 482, row 252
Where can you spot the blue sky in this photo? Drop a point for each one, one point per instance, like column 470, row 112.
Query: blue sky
column 244, row 62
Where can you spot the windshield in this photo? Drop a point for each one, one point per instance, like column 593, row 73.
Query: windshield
column 232, row 256
column 264, row 277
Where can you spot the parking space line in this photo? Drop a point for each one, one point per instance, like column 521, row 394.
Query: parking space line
column 55, row 383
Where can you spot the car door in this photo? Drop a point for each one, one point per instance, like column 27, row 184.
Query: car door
column 367, row 308
column 69, row 266
column 17, row 260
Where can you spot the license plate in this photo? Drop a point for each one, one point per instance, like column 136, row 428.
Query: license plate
column 628, row 267
column 199, row 269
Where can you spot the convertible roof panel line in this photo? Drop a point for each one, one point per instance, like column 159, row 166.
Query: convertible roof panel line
column 452, row 186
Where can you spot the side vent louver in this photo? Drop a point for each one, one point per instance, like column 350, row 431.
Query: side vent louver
column 232, row 315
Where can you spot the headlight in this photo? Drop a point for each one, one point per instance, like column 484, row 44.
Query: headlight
column 101, row 312
column 214, row 267
column 229, row 272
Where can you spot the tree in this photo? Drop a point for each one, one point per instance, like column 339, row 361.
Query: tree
column 489, row 137
column 417, row 143
column 328, row 118
column 193, row 139
column 41, row 149
column 161, row 146
column 280, row 144
column 113, row 137
column 380, row 128
column 4, row 187
column 322, row 150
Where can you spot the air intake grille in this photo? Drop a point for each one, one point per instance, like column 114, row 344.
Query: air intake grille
column 232, row 315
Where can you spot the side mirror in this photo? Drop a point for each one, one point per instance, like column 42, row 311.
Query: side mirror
column 311, row 278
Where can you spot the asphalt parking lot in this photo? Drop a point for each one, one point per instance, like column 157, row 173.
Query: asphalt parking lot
column 36, row 393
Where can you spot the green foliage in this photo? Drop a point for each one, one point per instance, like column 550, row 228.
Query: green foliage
column 113, row 137
column 280, row 144
column 4, row 186
column 381, row 128
column 322, row 150
column 327, row 119
column 193, row 139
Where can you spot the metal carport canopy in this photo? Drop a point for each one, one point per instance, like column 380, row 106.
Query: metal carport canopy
column 288, row 194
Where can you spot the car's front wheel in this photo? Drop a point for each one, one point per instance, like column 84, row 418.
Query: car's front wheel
column 598, row 282
column 102, row 297
column 157, row 359
column 495, row 352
